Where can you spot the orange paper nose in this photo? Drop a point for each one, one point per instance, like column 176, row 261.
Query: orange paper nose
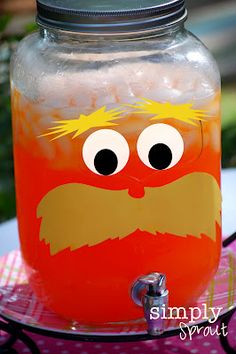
column 136, row 190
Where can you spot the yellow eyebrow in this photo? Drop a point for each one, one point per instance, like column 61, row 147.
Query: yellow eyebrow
column 104, row 118
column 99, row 118
column 182, row 112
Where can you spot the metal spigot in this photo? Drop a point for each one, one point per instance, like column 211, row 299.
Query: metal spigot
column 154, row 301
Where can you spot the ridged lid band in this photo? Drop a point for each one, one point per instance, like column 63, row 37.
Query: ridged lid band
column 103, row 17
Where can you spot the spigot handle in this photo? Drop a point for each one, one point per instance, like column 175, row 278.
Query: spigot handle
column 153, row 283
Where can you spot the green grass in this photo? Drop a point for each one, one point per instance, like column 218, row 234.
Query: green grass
column 229, row 127
column 228, row 107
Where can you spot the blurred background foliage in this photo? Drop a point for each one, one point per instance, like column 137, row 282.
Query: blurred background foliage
column 213, row 22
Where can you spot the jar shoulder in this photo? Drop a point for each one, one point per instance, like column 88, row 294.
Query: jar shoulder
column 197, row 53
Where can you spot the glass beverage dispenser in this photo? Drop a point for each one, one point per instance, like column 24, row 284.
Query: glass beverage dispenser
column 116, row 120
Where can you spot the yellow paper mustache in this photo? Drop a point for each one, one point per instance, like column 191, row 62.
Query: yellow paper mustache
column 75, row 215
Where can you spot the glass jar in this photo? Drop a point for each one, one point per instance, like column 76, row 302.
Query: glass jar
column 116, row 120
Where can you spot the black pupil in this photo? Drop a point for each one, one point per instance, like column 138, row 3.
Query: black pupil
column 160, row 156
column 105, row 162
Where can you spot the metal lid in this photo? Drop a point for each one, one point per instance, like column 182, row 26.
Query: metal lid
column 104, row 16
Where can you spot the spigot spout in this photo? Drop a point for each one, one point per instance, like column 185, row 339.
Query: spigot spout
column 154, row 301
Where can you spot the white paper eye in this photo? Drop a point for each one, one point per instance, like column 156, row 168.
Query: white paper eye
column 105, row 152
column 160, row 146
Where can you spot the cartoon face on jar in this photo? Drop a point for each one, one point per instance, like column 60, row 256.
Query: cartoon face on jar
column 131, row 190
